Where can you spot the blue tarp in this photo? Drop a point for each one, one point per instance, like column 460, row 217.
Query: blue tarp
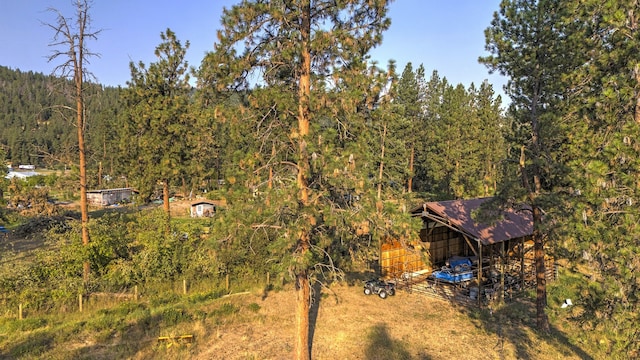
column 460, row 261
column 452, row 277
column 3, row 230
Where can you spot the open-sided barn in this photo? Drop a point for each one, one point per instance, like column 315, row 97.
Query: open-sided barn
column 459, row 256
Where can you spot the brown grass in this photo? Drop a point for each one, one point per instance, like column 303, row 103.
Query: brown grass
column 350, row 325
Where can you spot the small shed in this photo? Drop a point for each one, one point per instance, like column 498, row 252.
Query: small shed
column 203, row 208
column 106, row 197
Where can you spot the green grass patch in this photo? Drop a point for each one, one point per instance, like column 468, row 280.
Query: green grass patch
column 226, row 309
column 32, row 344
column 9, row 325
column 174, row 315
column 205, row 297
column 253, row 307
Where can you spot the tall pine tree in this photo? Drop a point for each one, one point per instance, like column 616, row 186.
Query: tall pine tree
column 304, row 67
column 526, row 45
column 158, row 125
column 603, row 151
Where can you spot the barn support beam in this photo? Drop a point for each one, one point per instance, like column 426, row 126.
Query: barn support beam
column 479, row 274
column 473, row 248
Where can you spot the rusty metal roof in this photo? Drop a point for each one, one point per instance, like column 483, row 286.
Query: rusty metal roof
column 511, row 224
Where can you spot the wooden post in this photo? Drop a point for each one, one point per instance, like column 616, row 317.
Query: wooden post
column 80, row 302
column 20, row 311
column 135, row 292
column 184, row 286
column 479, row 274
column 227, row 282
column 502, row 268
column 522, row 266
column 268, row 278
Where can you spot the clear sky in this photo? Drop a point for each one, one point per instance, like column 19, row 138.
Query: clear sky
column 443, row 35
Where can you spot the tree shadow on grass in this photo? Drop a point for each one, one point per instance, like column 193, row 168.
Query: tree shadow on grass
column 316, row 292
column 125, row 343
column 381, row 346
column 514, row 323
column 33, row 345
column 360, row 277
column 70, row 341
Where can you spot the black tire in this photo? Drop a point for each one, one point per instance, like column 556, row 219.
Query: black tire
column 382, row 294
column 367, row 291
column 392, row 292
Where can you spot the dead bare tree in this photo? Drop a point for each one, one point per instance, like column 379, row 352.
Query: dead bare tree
column 69, row 44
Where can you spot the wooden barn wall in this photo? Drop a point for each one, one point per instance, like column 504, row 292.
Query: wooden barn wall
column 396, row 260
column 442, row 242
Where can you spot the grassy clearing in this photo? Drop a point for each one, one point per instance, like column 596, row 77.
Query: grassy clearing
column 259, row 324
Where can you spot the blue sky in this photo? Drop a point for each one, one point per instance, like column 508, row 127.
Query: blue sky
column 443, row 35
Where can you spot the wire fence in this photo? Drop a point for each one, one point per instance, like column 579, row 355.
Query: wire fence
column 156, row 292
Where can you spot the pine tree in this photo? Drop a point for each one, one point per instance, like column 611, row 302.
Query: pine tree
column 158, row 124
column 603, row 120
column 409, row 101
column 526, row 45
column 304, row 69
column 493, row 149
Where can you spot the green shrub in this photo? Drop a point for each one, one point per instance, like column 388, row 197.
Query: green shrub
column 174, row 316
column 226, row 309
column 253, row 307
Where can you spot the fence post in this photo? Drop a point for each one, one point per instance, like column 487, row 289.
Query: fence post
column 184, row 286
column 135, row 292
column 268, row 278
column 227, row 282
column 20, row 311
column 80, row 301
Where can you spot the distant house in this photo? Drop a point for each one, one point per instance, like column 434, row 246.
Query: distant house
column 20, row 174
column 108, row 197
column 203, row 208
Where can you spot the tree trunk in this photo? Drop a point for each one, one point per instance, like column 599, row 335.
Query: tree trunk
column 165, row 197
column 381, row 169
column 303, row 297
column 302, row 277
column 637, row 109
column 84, row 207
column 100, row 174
column 542, row 321
column 410, row 182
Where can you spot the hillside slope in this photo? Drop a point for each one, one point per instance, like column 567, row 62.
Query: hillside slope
column 350, row 325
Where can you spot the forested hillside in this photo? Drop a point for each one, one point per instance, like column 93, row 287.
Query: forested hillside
column 443, row 139
column 36, row 129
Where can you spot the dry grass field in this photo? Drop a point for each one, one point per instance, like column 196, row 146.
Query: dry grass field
column 350, row 325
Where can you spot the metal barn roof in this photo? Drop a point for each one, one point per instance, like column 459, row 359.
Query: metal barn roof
column 511, row 224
